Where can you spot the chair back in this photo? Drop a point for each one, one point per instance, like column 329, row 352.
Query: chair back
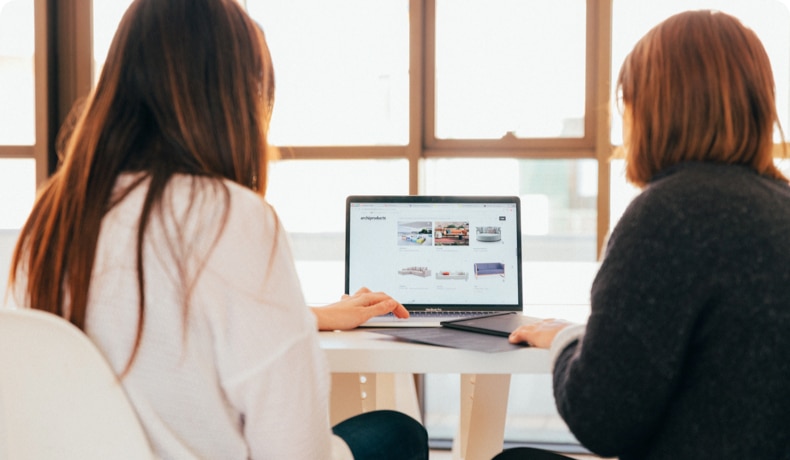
column 59, row 398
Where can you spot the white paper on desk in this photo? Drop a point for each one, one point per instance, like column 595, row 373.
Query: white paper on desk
column 452, row 338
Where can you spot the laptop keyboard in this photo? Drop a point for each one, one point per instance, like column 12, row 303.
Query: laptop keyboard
column 445, row 314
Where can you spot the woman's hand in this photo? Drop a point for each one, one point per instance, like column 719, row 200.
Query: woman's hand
column 353, row 310
column 539, row 334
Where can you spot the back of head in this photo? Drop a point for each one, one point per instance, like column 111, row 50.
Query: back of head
column 187, row 88
column 698, row 87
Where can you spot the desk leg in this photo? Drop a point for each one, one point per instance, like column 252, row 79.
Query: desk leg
column 354, row 394
column 345, row 399
column 481, row 431
column 397, row 392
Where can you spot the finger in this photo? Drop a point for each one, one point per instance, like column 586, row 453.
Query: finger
column 387, row 306
column 400, row 311
column 520, row 335
column 384, row 304
column 362, row 290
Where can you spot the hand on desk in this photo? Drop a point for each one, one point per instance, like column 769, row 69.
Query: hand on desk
column 353, row 310
column 539, row 334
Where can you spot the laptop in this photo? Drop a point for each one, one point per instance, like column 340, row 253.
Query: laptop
column 442, row 257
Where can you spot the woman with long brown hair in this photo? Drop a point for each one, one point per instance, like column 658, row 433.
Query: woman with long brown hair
column 686, row 353
column 153, row 237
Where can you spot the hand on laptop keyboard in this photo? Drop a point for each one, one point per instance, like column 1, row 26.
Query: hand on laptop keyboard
column 353, row 310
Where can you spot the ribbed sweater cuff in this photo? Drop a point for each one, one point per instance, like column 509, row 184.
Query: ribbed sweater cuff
column 564, row 338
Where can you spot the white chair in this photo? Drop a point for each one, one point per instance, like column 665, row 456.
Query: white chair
column 59, row 399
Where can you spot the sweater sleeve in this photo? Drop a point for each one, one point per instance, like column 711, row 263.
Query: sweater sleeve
column 565, row 338
column 613, row 384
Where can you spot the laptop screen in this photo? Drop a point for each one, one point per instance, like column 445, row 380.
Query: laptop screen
column 436, row 252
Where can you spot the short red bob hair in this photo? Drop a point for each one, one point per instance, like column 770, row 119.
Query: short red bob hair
column 698, row 87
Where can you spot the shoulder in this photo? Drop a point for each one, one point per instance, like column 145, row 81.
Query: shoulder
column 707, row 183
column 215, row 220
column 210, row 189
column 247, row 253
column 249, row 211
column 704, row 194
column 222, row 199
column 698, row 209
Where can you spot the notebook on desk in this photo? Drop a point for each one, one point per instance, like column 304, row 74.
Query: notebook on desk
column 442, row 257
column 500, row 324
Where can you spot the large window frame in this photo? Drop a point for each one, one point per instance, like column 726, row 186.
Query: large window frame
column 64, row 64
column 39, row 150
column 64, row 74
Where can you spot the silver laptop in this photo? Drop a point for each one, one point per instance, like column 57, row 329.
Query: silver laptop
column 442, row 257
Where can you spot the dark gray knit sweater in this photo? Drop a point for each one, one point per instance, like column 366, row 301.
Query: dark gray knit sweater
column 686, row 354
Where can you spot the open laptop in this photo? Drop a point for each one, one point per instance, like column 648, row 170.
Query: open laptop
column 442, row 257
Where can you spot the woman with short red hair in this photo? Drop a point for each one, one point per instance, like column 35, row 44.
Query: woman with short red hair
column 686, row 353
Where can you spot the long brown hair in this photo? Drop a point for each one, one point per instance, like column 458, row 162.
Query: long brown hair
column 699, row 87
column 187, row 88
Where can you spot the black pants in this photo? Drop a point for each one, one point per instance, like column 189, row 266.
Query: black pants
column 384, row 435
column 529, row 453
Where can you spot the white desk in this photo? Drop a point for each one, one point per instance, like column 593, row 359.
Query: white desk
column 374, row 371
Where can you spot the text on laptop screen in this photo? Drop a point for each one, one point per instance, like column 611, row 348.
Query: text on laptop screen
column 435, row 253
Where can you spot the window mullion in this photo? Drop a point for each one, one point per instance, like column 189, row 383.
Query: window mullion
column 419, row 53
column 599, row 22
column 71, row 61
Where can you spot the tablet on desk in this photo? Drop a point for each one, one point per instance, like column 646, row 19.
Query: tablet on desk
column 501, row 324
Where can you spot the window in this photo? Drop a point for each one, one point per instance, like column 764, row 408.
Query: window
column 346, row 82
column 309, row 196
column 106, row 16
column 17, row 113
column 500, row 66
column 558, row 199
column 352, row 90
column 18, row 189
column 17, row 119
